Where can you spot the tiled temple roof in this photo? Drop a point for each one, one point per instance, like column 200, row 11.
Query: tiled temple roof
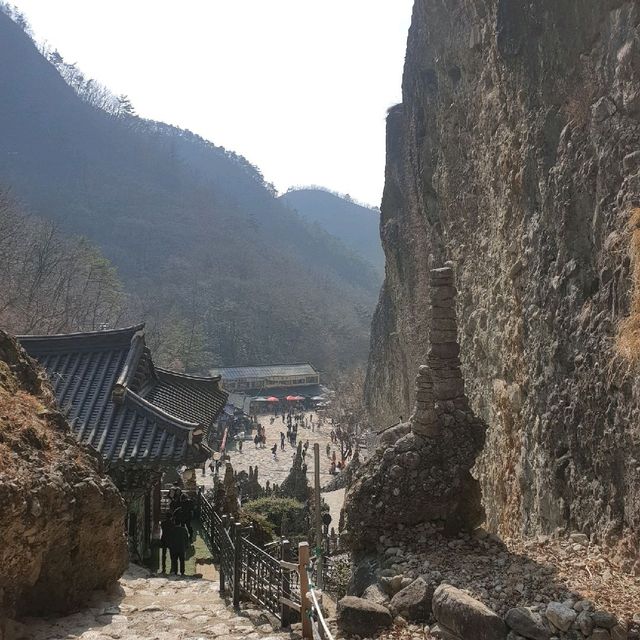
column 120, row 404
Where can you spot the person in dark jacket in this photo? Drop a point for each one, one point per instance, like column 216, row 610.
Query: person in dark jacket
column 186, row 510
column 166, row 525
column 178, row 542
column 174, row 497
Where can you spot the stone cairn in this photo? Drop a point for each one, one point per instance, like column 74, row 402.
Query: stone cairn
column 422, row 470
column 440, row 382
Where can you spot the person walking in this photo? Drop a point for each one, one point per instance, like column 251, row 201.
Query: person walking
column 282, row 441
column 178, row 543
column 274, row 451
column 240, row 446
column 256, row 439
column 328, row 450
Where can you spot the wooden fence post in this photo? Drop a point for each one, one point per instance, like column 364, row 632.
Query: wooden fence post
column 237, row 563
column 303, row 561
column 285, row 615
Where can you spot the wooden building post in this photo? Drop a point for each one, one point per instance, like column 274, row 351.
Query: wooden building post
column 157, row 502
column 303, row 561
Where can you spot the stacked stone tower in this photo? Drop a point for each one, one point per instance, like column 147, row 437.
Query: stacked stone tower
column 424, row 474
column 440, row 384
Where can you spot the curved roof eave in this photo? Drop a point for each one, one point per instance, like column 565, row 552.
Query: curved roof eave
column 185, row 427
column 84, row 334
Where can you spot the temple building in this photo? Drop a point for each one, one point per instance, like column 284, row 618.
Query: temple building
column 144, row 421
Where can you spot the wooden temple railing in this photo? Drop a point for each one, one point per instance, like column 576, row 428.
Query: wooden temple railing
column 275, row 584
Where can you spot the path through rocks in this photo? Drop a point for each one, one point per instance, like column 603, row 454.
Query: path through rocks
column 147, row 607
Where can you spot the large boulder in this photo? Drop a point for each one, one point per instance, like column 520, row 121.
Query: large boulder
column 465, row 616
column 560, row 615
column 374, row 593
column 62, row 517
column 527, row 623
column 362, row 617
column 413, row 602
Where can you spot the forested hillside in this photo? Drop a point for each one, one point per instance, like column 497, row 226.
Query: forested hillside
column 356, row 225
column 222, row 271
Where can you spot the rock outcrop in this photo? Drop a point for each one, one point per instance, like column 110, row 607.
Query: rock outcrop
column 515, row 154
column 62, row 522
column 425, row 475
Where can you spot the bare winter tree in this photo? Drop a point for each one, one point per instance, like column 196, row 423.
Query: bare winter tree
column 51, row 283
column 347, row 410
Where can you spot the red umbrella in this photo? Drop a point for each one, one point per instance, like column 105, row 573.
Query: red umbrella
column 272, row 399
column 291, row 398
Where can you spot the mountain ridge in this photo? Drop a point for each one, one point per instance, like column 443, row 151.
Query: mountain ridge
column 213, row 258
column 355, row 224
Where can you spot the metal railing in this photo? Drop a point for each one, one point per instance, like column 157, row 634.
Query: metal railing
column 261, row 577
column 277, row 585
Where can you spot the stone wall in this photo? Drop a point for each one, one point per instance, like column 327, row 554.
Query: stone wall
column 62, row 519
column 514, row 154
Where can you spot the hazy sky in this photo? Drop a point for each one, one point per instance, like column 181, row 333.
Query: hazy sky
column 299, row 87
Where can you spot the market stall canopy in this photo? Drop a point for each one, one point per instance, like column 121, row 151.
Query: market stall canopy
column 272, row 399
column 261, row 399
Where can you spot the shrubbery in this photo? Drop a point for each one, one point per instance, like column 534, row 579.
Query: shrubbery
column 263, row 530
column 274, row 510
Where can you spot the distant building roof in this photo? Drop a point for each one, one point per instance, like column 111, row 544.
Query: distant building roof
column 265, row 371
column 118, row 402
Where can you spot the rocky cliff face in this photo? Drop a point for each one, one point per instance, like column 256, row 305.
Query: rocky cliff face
column 515, row 154
column 62, row 519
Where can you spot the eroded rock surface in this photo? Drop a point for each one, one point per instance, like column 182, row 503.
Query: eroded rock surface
column 515, row 154
column 62, row 519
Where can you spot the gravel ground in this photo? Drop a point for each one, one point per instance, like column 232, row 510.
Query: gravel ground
column 510, row 573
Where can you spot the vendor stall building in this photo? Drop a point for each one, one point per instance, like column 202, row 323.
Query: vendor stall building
column 253, row 389
column 269, row 378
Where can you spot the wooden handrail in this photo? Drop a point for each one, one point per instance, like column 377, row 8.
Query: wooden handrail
column 239, row 563
column 322, row 627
